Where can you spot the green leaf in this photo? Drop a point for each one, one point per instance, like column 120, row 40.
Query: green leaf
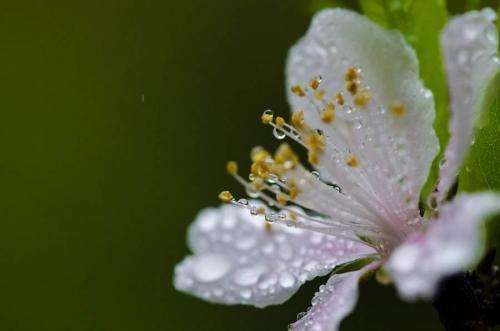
column 481, row 169
column 421, row 22
column 353, row 265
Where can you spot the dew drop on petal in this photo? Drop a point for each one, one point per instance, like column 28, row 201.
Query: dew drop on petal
column 210, row 267
column 287, row 280
column 249, row 276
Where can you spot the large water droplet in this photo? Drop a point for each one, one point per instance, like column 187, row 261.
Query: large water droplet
column 249, row 276
column 279, row 134
column 210, row 267
column 287, row 280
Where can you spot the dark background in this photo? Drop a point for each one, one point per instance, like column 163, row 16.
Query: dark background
column 117, row 118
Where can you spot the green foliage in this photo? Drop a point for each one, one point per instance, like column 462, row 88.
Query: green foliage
column 421, row 23
column 481, row 170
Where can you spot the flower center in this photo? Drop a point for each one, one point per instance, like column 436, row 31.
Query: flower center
column 297, row 197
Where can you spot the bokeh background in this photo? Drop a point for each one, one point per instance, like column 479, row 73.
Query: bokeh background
column 117, row 118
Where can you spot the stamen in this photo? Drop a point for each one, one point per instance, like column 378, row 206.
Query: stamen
column 362, row 98
column 226, row 196
column 297, row 90
column 319, row 95
column 352, row 87
column 314, row 83
column 352, row 161
column 232, row 167
column 351, row 74
column 340, row 99
column 267, row 116
column 398, row 109
column 298, row 119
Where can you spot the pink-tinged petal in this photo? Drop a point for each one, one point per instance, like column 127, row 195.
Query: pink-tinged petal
column 470, row 44
column 333, row 302
column 389, row 134
column 237, row 260
column 452, row 243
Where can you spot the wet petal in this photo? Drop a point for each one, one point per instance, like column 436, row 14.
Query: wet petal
column 381, row 143
column 333, row 302
column 452, row 243
column 237, row 260
column 470, row 45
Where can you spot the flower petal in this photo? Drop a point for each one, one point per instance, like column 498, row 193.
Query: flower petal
column 389, row 133
column 333, row 302
column 470, row 45
column 236, row 260
column 451, row 244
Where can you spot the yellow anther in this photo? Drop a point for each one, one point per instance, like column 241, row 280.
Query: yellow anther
column 259, row 169
column 352, row 87
column 398, row 109
column 319, row 95
column 293, row 216
column 261, row 210
column 259, row 154
column 266, row 118
column 362, row 98
column 280, row 121
column 351, row 74
column 267, row 227
column 330, row 106
column 282, row 199
column 232, row 167
column 297, row 90
column 285, row 156
column 328, row 116
column 352, row 161
column 298, row 119
column 313, row 157
column 314, row 83
column 294, row 192
column 315, row 141
column 340, row 99
column 225, row 196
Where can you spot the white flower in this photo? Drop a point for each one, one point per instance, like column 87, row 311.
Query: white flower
column 365, row 120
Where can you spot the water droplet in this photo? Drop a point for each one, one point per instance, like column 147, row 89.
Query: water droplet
column 316, row 174
column 270, row 217
column 473, row 141
column 287, row 280
column 301, row 314
column 251, row 192
column 249, row 276
column 243, row 202
column 279, row 134
column 268, row 112
column 210, row 267
column 251, row 177
column 254, row 210
column 272, row 178
column 246, row 243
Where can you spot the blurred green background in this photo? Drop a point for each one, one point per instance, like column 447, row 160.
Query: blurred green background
column 117, row 118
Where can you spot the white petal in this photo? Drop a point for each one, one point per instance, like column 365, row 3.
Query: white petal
column 470, row 45
column 237, row 261
column 333, row 302
column 394, row 152
column 452, row 243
